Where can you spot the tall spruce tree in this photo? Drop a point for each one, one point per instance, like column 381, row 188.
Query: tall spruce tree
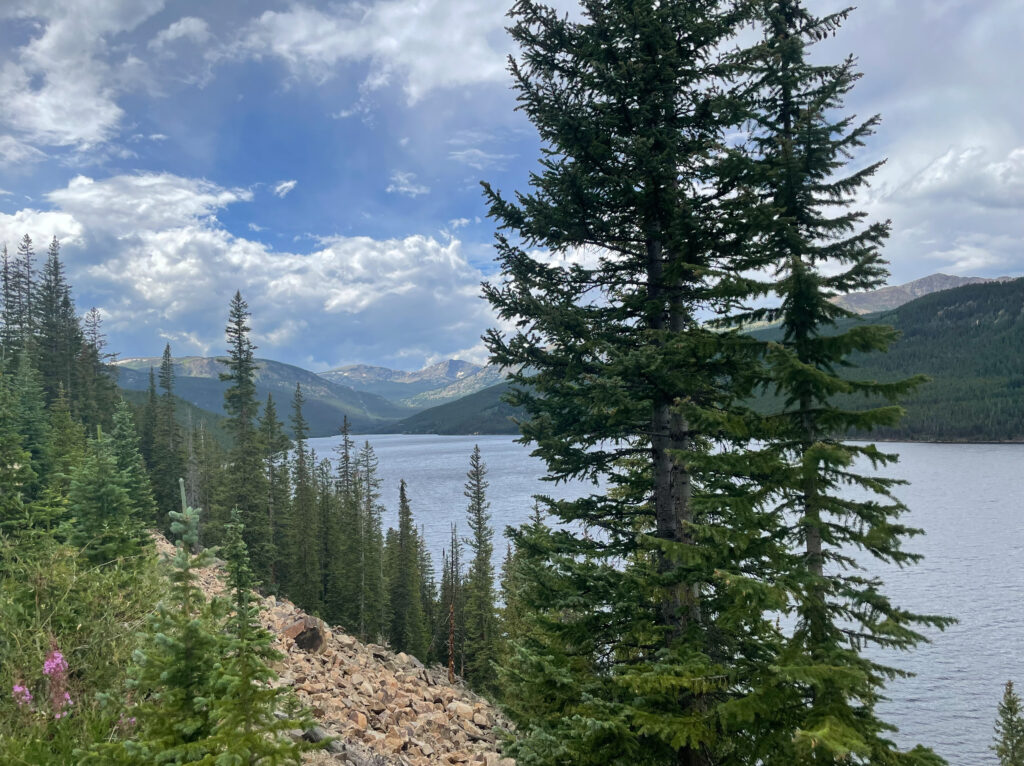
column 407, row 631
column 1009, row 739
column 129, row 461
column 305, row 577
column 345, row 567
column 276, row 445
column 373, row 594
column 244, row 482
column 168, row 465
column 821, row 248
column 59, row 336
column 481, row 625
column 638, row 202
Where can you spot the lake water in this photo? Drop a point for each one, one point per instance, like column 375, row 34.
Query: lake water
column 968, row 498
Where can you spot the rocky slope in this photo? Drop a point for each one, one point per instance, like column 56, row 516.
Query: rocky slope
column 385, row 709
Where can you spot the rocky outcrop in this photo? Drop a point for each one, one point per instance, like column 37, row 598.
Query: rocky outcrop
column 384, row 708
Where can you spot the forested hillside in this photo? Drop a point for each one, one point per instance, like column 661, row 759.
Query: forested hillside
column 327, row 403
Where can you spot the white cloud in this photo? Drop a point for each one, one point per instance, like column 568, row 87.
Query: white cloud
column 5, row 193
column 256, row 227
column 15, row 152
column 283, row 187
column 405, row 183
column 420, row 45
column 59, row 89
column 150, row 250
column 189, row 28
column 969, row 176
column 479, row 159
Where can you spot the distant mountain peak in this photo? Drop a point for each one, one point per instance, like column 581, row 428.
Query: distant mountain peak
column 894, row 296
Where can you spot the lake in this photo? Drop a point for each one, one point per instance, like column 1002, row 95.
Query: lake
column 966, row 497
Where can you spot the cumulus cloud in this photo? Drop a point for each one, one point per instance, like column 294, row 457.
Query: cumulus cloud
column 59, row 89
column 417, row 44
column 189, row 28
column 405, row 183
column 15, row 152
column 150, row 250
column 283, row 187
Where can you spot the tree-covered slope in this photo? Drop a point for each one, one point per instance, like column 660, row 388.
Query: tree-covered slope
column 968, row 340
column 482, row 412
column 327, row 403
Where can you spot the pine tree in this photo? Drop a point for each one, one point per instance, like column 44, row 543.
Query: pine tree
column 166, row 451
column 175, row 678
column 1009, row 739
column 276, row 445
column 59, row 337
column 66, row 445
column 341, row 604
column 147, row 421
column 305, row 582
column 329, row 522
column 822, row 248
column 640, row 206
column 130, row 463
column 373, row 594
column 428, row 598
column 449, row 632
column 481, row 627
column 30, row 418
column 407, row 632
column 244, row 483
column 95, row 394
column 9, row 298
column 16, row 474
column 247, row 728
column 106, row 526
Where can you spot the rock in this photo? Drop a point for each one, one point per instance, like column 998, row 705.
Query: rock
column 309, row 633
column 462, row 710
column 358, row 718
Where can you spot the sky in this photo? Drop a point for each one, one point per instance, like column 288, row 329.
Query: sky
column 325, row 157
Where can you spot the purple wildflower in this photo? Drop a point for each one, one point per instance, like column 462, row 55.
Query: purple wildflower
column 56, row 667
column 21, row 695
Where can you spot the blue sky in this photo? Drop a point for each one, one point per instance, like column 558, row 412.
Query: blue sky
column 325, row 159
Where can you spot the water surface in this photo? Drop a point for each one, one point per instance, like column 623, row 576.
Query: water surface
column 966, row 497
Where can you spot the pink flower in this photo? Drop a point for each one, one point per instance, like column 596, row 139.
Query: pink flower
column 56, row 667
column 21, row 695
column 55, row 664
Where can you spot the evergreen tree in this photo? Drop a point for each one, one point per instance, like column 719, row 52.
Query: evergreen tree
column 449, row 633
column 175, row 678
column 275, row 445
column 428, row 598
column 247, row 728
column 8, row 296
column 66, row 445
column 147, row 421
column 481, row 628
column 130, row 463
column 30, row 418
column 345, row 566
column 106, row 525
column 821, row 248
column 305, row 583
column 95, row 395
column 244, row 482
column 166, row 453
column 640, row 206
column 1009, row 740
column 373, row 595
column 16, row 474
column 59, row 335
column 407, row 631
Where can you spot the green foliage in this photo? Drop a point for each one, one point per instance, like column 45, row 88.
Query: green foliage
column 173, row 684
column 107, row 524
column 1009, row 739
column 304, row 585
column 247, row 729
column 243, row 485
column 481, row 623
column 129, row 461
column 52, row 597
column 407, row 631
